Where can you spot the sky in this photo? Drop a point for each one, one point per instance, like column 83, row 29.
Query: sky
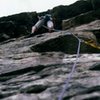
column 10, row 7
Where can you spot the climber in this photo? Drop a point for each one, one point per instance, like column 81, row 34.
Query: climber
column 42, row 20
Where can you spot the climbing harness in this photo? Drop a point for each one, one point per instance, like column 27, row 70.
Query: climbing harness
column 72, row 71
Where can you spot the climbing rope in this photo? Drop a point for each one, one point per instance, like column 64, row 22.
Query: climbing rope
column 72, row 71
column 73, row 67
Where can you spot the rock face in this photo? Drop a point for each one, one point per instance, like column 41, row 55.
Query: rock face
column 36, row 68
column 17, row 25
column 92, row 26
column 81, row 19
column 88, row 32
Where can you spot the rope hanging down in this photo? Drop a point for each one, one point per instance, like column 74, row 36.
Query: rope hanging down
column 72, row 71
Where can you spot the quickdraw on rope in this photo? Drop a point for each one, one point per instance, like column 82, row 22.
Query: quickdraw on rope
column 72, row 71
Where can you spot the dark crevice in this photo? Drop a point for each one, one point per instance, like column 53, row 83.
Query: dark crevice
column 44, row 76
column 92, row 89
column 39, row 68
column 86, row 91
column 93, row 98
column 17, row 72
column 57, row 44
column 34, row 89
column 95, row 67
column 1, row 96
column 6, row 76
column 5, row 95
column 67, row 98
column 25, row 70
column 89, row 98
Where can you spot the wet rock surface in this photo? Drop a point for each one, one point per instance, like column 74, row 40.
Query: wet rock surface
column 28, row 75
